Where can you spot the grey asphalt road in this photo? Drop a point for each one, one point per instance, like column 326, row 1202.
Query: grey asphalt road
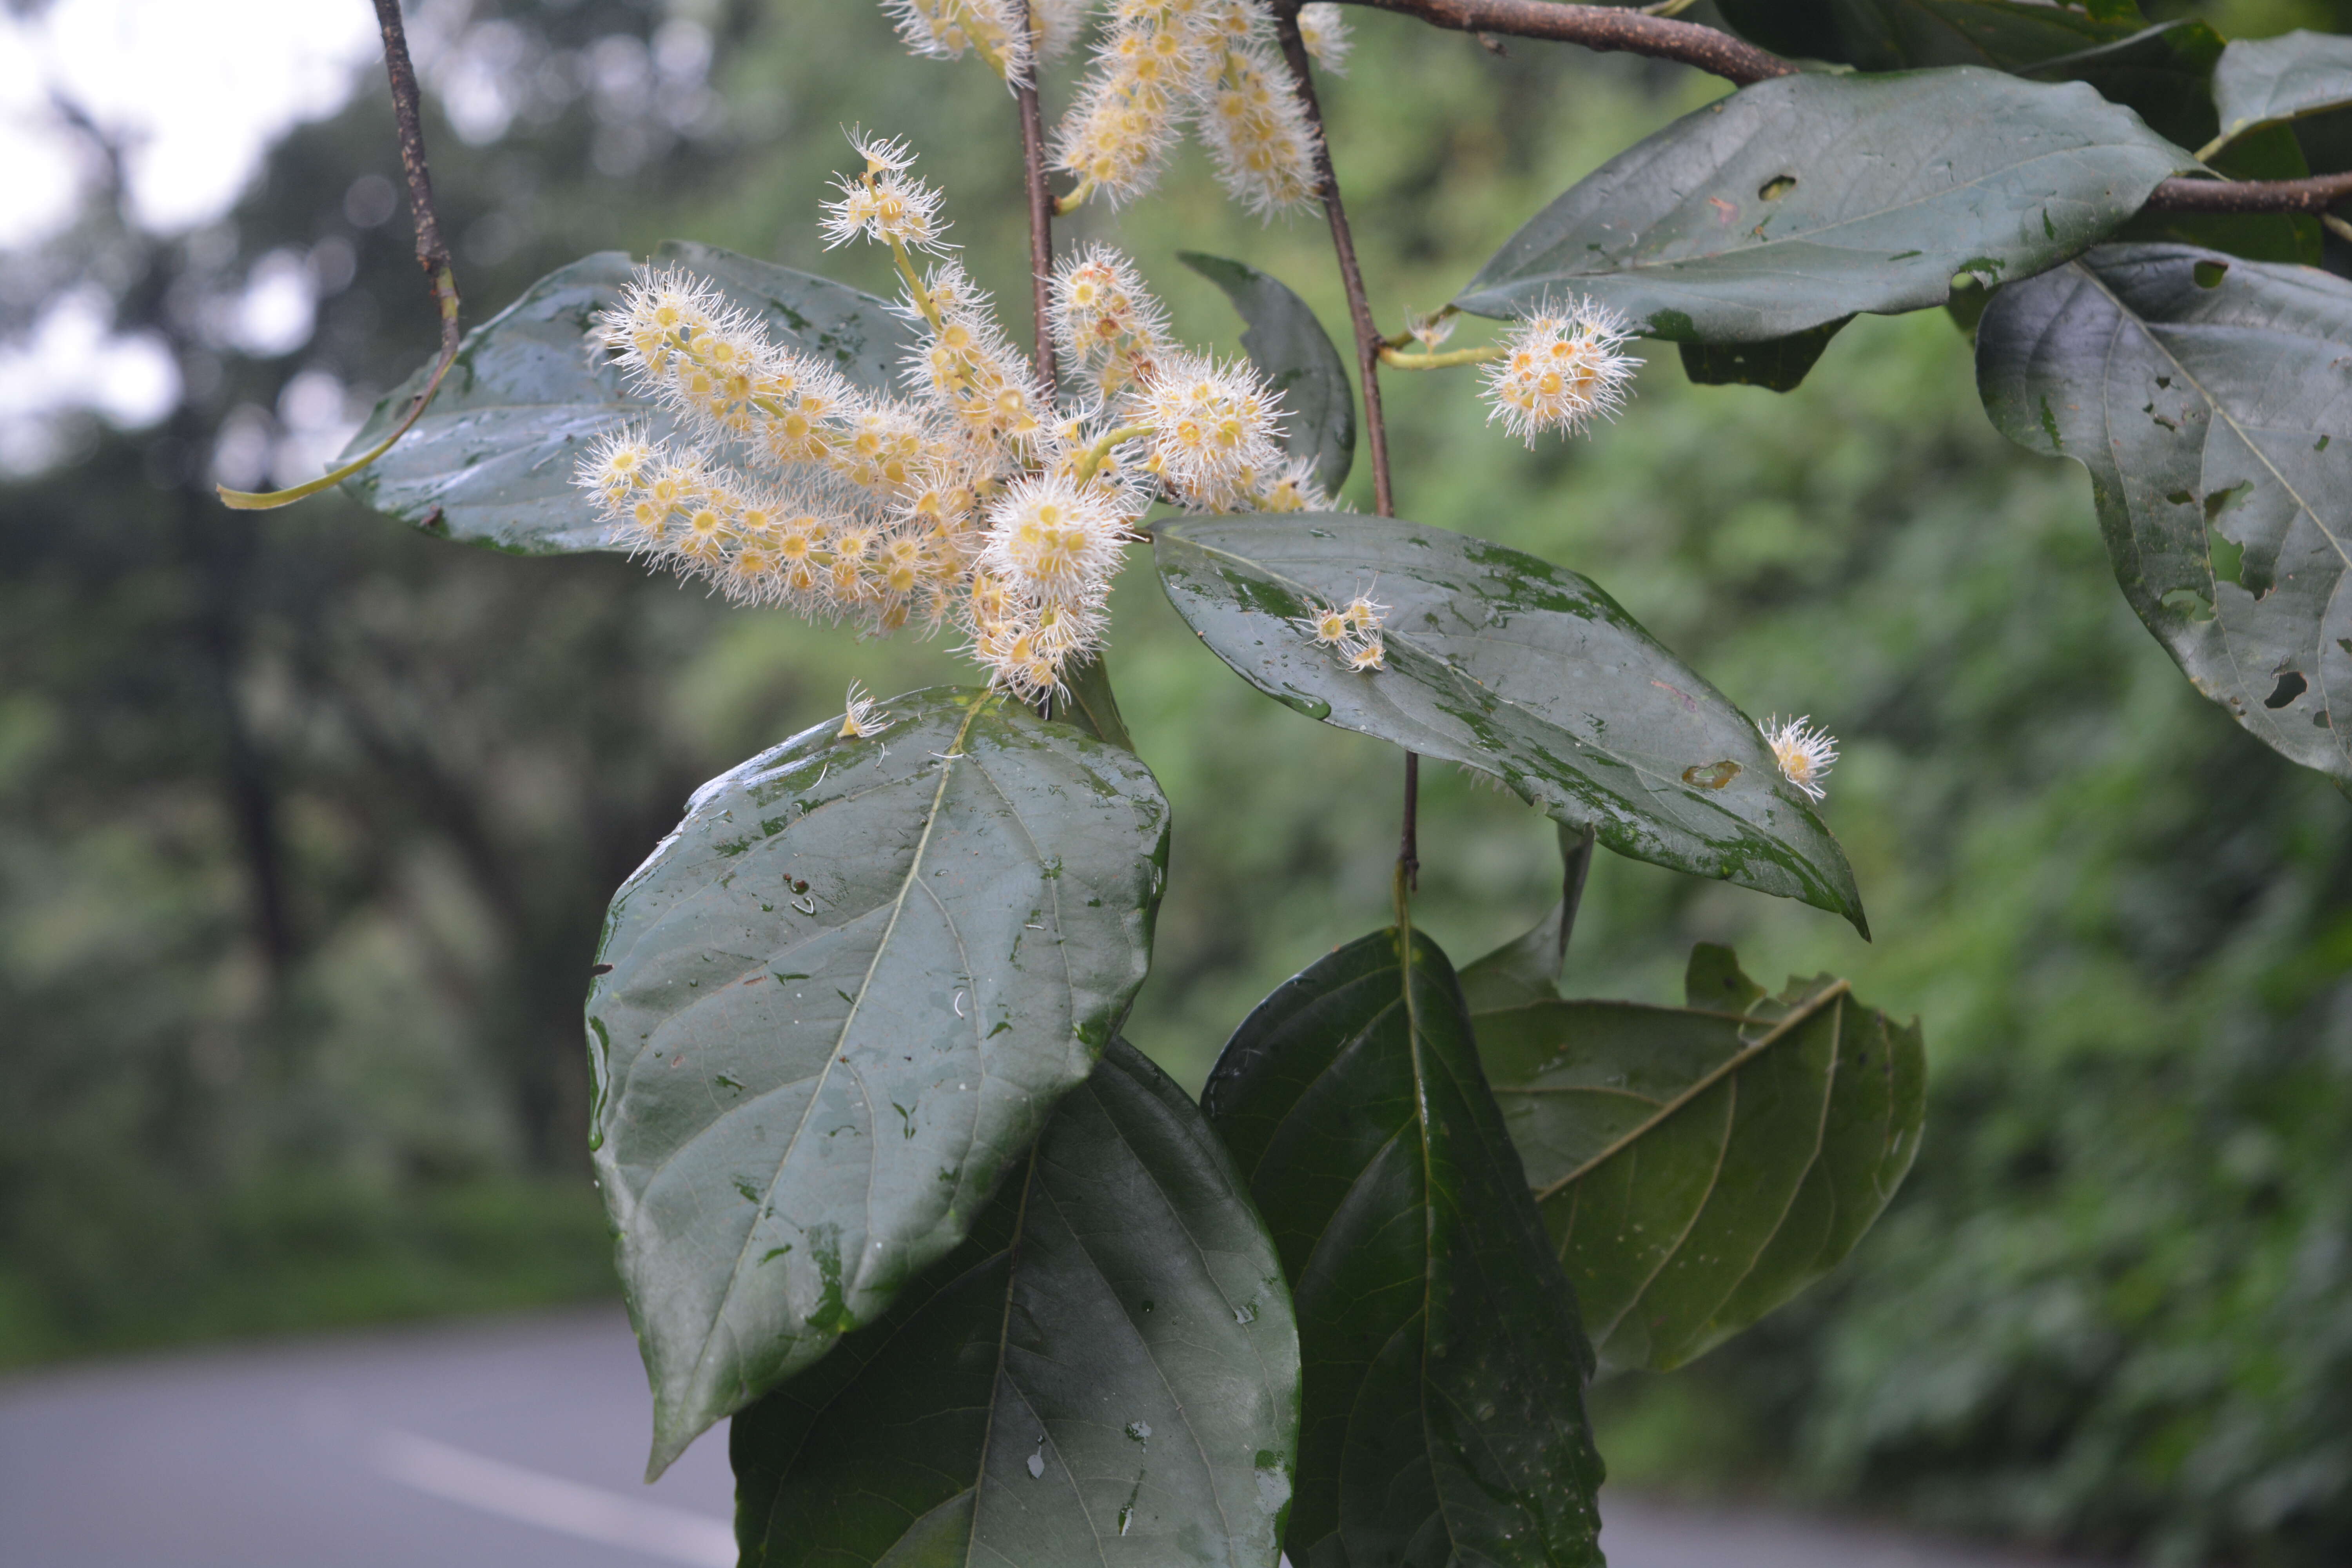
column 514, row 1444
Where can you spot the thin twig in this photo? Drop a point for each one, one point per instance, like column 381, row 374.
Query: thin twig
column 1367, row 365
column 1343, row 241
column 432, row 254
column 1041, row 234
column 2314, row 194
column 1604, row 27
column 1609, row 28
column 1041, row 215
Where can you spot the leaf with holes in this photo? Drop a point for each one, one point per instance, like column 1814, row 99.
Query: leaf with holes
column 491, row 462
column 834, row 1004
column 2211, row 401
column 1514, row 667
column 1104, row 1374
column 1697, row 1166
column 1807, row 198
column 2263, row 81
column 1290, row 347
column 1444, row 1366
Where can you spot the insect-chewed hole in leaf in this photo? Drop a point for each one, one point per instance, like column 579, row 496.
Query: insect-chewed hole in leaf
column 2290, row 686
column 2229, row 558
column 1779, row 185
column 2190, row 603
column 1711, row 776
column 2209, row 274
column 2219, row 502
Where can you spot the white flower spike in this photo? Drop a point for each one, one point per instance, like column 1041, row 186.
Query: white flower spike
column 1804, row 751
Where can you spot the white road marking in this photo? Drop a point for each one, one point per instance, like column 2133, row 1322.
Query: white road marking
column 553, row 1503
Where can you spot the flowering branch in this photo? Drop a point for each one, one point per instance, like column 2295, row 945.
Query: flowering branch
column 1041, row 212
column 1606, row 28
column 432, row 254
column 1369, row 348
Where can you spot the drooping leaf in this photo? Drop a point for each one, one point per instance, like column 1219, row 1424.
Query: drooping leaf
column 2264, row 80
column 1290, row 347
column 1444, row 1365
column 1699, row 1166
column 491, row 462
column 1776, row 365
column 2211, row 401
column 1517, row 668
column 1104, row 1374
column 1804, row 199
column 834, row 1005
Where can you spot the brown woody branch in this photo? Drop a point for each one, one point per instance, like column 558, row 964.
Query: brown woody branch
column 1602, row 28
column 1368, row 367
column 2315, row 194
column 432, row 254
column 1607, row 28
column 431, row 251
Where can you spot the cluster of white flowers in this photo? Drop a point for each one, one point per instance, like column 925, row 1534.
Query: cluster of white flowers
column 972, row 501
column 1560, row 368
column 1352, row 628
column 999, row 31
column 1164, row 65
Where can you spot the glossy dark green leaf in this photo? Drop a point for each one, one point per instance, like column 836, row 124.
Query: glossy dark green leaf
column 2159, row 71
column 1517, row 668
column 1804, row 199
column 1104, row 1374
column 1697, row 1166
column 2211, row 398
column 1290, row 347
column 2264, row 80
column 1444, row 1365
column 1776, row 365
column 491, row 462
column 1902, row 34
column 836, row 1004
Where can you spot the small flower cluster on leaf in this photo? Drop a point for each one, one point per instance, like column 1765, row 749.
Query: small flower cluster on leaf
column 974, row 501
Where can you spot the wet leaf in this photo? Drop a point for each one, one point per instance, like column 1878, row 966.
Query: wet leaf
column 841, row 998
column 2265, row 80
column 1517, row 668
column 1804, row 199
column 1105, row 1373
column 491, row 462
column 2212, row 400
column 1444, row 1366
column 1286, row 343
column 1697, row 1166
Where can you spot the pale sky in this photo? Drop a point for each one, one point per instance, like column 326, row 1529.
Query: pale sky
column 197, row 87
column 196, row 90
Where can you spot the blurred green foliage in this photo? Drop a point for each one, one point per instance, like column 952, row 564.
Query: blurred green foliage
column 306, row 821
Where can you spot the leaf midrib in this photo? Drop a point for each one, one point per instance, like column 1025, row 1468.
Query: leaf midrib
column 955, row 753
